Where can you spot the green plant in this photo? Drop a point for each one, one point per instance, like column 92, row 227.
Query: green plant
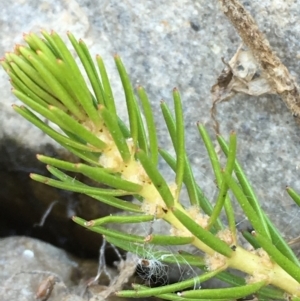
column 46, row 78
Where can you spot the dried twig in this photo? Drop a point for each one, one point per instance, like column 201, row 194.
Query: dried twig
column 278, row 76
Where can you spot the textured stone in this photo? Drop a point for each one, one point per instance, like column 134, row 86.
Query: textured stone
column 25, row 263
column 180, row 43
column 35, row 270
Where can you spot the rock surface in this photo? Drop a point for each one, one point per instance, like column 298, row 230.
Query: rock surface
column 35, row 270
column 178, row 43
column 26, row 263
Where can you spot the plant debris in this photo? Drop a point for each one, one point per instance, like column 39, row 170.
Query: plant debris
column 255, row 71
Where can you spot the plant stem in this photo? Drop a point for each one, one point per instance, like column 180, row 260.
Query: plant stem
column 255, row 265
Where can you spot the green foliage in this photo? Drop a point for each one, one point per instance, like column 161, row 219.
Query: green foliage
column 47, row 79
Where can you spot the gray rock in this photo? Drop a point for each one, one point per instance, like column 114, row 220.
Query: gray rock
column 27, row 264
column 180, row 43
column 35, row 270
